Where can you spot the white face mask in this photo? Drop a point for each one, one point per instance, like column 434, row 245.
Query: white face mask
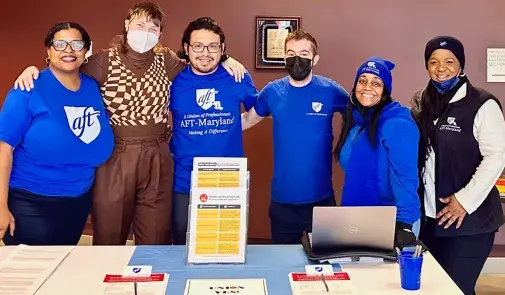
column 141, row 41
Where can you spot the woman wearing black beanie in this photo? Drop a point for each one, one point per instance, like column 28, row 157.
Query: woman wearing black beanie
column 462, row 154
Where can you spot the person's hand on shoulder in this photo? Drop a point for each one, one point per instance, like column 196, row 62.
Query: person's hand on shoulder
column 404, row 236
column 25, row 80
column 235, row 68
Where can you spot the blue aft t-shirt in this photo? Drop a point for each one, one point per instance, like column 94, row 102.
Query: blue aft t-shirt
column 59, row 136
column 303, row 137
column 206, row 118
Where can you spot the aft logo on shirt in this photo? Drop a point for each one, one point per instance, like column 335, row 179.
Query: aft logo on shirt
column 317, row 107
column 84, row 122
column 206, row 98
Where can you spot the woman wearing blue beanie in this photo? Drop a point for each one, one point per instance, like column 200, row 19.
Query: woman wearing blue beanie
column 461, row 156
column 378, row 148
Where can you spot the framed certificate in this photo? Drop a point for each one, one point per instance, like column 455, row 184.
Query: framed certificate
column 271, row 32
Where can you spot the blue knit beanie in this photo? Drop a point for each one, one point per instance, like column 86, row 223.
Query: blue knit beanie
column 379, row 67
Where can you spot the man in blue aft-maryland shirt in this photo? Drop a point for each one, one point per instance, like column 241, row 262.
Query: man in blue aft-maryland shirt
column 302, row 107
column 206, row 112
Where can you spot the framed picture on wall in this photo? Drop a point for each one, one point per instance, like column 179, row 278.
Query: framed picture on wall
column 271, row 32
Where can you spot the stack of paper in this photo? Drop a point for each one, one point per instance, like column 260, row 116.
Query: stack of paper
column 26, row 268
column 218, row 211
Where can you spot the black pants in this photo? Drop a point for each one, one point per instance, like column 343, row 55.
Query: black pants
column 42, row 220
column 461, row 257
column 288, row 221
column 180, row 207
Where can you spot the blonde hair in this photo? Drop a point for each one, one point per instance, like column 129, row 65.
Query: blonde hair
column 152, row 12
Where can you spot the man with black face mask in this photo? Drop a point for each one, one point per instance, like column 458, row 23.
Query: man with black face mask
column 302, row 107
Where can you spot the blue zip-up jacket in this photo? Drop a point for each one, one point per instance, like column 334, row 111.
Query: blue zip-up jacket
column 385, row 175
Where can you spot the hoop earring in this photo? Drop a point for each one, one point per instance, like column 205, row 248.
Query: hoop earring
column 85, row 61
column 350, row 98
column 48, row 60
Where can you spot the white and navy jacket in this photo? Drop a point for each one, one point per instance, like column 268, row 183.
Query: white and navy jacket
column 469, row 159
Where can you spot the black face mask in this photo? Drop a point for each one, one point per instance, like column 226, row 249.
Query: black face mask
column 298, row 67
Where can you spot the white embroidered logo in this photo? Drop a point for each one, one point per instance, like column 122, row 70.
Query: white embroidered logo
column 451, row 125
column 317, row 106
column 206, row 98
column 371, row 67
column 84, row 122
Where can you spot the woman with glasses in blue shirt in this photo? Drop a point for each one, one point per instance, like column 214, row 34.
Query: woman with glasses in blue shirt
column 51, row 141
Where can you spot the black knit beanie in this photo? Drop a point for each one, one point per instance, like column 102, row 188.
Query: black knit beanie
column 445, row 42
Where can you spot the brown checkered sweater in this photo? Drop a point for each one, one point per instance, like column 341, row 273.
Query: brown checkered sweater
column 135, row 87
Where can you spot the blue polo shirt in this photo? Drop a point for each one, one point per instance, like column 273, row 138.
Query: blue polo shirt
column 59, row 136
column 206, row 118
column 303, row 137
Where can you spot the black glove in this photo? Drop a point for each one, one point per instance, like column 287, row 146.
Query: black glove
column 404, row 235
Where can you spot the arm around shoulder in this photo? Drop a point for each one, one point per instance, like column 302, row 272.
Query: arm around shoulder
column 26, row 78
column 250, row 118
column 258, row 112
column 234, row 68
column 97, row 66
column 250, row 93
column 173, row 63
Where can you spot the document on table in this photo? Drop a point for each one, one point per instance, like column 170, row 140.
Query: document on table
column 218, row 225
column 26, row 268
column 226, row 286
column 219, row 172
column 336, row 284
column 155, row 284
column 218, row 211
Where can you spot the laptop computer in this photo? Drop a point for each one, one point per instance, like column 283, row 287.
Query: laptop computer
column 353, row 229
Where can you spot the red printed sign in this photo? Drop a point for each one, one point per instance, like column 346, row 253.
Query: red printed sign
column 338, row 276
column 120, row 279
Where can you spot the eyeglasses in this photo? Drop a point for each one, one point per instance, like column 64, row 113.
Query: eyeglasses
column 60, row 45
column 199, row 47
